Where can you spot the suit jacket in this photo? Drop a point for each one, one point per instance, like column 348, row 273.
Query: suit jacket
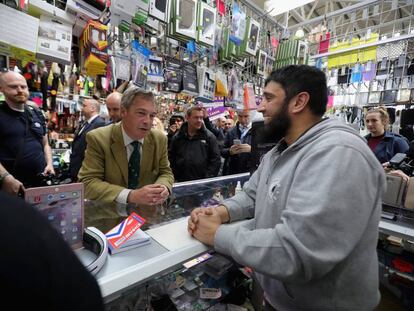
column 79, row 146
column 105, row 168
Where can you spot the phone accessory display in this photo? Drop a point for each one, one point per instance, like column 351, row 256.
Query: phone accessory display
column 374, row 94
column 190, row 82
column 206, row 23
column 158, row 8
column 261, row 62
column 251, row 39
column 173, row 75
column 206, row 82
column 139, row 63
column 238, row 25
column 155, row 70
column 183, row 19
column 388, row 95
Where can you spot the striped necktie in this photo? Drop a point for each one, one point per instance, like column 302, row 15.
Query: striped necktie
column 133, row 166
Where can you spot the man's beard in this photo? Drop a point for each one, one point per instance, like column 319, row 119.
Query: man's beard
column 278, row 125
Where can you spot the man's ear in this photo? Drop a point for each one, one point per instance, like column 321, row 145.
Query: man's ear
column 123, row 111
column 300, row 102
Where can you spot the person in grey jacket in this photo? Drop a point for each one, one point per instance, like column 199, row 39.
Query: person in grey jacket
column 314, row 205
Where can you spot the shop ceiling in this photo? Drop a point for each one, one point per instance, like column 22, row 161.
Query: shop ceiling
column 344, row 18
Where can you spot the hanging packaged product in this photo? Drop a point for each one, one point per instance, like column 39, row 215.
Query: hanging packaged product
column 158, row 9
column 139, row 64
column 324, row 43
column 369, row 71
column 155, row 71
column 94, row 48
column 221, row 84
column 356, row 75
column 235, row 97
column 190, row 81
column 383, row 69
column 173, row 75
column 238, row 25
column 362, row 96
column 404, row 91
column 206, row 23
column 261, row 62
column 401, row 65
column 249, row 97
column 269, row 64
column 206, row 82
column 183, row 19
column 125, row 11
column 251, row 39
column 224, row 51
column 122, row 69
column 221, row 7
column 374, row 93
column 388, row 95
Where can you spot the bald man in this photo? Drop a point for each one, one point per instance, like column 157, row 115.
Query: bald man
column 113, row 103
column 90, row 112
column 24, row 149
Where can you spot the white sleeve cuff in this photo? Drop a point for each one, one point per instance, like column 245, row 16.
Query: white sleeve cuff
column 123, row 196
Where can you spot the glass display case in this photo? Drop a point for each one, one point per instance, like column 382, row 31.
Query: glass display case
column 133, row 275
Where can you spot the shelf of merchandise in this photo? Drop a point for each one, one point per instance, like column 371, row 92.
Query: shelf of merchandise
column 363, row 46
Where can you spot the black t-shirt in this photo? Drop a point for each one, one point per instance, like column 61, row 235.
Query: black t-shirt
column 21, row 143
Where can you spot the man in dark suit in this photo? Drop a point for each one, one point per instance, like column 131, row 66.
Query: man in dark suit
column 90, row 110
column 127, row 162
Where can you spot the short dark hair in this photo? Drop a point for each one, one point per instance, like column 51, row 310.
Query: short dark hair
column 194, row 108
column 302, row 78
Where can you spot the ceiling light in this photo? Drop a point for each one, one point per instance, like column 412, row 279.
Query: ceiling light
column 299, row 33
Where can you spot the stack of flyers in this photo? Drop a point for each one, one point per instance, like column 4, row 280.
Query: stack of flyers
column 127, row 235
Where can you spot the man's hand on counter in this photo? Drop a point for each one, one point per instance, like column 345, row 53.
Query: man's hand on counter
column 149, row 195
column 204, row 222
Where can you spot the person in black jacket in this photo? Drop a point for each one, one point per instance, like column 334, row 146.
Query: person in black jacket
column 38, row 266
column 237, row 146
column 194, row 152
column 90, row 110
column 218, row 132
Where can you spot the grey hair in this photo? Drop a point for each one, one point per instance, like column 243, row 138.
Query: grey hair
column 133, row 92
column 93, row 101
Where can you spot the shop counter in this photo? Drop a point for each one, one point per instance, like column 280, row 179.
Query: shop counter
column 170, row 246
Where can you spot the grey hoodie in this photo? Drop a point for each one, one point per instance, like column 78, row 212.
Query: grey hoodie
column 314, row 209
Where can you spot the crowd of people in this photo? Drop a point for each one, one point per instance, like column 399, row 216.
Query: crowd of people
column 308, row 240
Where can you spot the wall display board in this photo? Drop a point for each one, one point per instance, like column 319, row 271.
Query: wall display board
column 55, row 40
column 18, row 29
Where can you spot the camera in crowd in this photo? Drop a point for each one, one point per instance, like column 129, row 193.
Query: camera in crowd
column 51, row 180
column 403, row 162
